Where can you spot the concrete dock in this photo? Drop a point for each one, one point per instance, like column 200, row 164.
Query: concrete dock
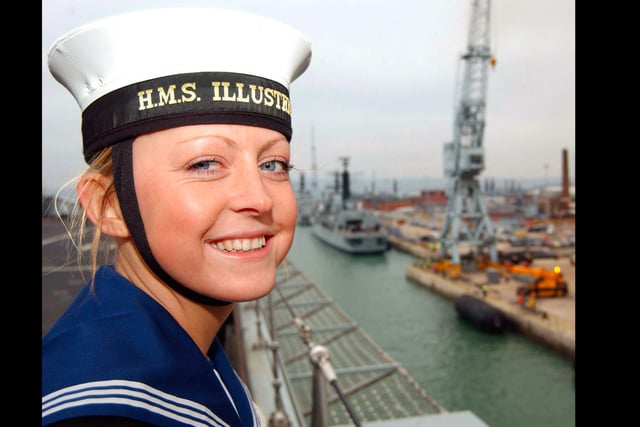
column 552, row 322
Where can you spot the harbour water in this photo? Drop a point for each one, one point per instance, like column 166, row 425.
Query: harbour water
column 506, row 380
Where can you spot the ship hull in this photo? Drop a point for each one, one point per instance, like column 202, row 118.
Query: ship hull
column 359, row 242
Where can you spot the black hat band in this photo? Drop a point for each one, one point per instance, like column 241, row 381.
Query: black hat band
column 185, row 99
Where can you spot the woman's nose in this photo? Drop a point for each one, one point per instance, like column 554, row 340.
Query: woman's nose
column 251, row 192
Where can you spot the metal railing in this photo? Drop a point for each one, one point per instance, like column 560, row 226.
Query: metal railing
column 312, row 344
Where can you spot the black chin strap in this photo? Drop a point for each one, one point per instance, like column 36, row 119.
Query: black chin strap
column 125, row 189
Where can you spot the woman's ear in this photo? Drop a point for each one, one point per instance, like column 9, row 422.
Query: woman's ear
column 100, row 203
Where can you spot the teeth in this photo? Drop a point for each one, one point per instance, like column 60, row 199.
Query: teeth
column 241, row 244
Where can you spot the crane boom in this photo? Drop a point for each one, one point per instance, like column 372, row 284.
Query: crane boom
column 467, row 219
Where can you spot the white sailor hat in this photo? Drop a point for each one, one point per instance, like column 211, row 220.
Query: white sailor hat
column 149, row 70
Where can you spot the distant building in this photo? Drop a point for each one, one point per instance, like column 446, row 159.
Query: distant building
column 546, row 201
column 431, row 201
column 551, row 202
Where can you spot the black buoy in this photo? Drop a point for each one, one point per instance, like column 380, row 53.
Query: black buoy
column 482, row 315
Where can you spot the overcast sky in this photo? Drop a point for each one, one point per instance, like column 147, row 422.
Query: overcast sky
column 381, row 85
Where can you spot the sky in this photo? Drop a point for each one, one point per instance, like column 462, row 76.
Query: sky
column 381, row 86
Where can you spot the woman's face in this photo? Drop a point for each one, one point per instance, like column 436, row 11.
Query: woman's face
column 217, row 204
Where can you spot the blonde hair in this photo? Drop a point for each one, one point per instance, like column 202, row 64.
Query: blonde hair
column 76, row 224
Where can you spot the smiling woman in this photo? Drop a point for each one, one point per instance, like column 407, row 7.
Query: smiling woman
column 188, row 172
column 174, row 184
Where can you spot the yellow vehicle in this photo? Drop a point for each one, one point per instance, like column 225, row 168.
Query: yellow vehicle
column 485, row 262
column 447, row 268
column 541, row 281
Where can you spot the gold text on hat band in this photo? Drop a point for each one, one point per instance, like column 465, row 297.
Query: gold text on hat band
column 221, row 91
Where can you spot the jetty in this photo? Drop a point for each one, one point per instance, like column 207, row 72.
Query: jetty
column 551, row 323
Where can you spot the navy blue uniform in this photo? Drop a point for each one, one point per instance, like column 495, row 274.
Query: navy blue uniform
column 117, row 352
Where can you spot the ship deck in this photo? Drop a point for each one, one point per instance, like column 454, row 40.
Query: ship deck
column 299, row 316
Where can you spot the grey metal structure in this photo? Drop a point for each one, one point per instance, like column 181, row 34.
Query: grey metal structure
column 467, row 220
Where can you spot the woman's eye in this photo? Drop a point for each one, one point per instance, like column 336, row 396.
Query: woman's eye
column 275, row 166
column 205, row 165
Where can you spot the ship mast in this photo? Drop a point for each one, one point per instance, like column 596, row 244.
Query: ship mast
column 346, row 185
column 314, row 166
